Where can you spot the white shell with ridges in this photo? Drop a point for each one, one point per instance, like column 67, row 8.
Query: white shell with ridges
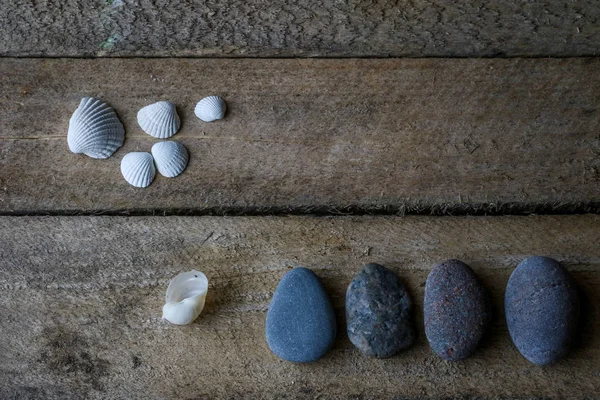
column 138, row 169
column 159, row 120
column 185, row 298
column 171, row 158
column 95, row 129
column 210, row 108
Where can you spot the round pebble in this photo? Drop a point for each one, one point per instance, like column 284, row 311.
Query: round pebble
column 542, row 309
column 378, row 312
column 456, row 310
column 301, row 324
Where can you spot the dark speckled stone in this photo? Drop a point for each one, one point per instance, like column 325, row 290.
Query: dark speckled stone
column 542, row 309
column 301, row 324
column 456, row 310
column 378, row 312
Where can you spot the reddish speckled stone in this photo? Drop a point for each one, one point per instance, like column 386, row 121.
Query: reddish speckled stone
column 456, row 310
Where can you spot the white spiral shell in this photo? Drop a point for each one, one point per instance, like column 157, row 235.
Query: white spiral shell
column 210, row 108
column 185, row 297
column 159, row 120
column 171, row 158
column 95, row 129
column 138, row 169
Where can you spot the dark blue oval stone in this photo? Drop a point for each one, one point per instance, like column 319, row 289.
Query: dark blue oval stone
column 456, row 310
column 378, row 312
column 301, row 324
column 542, row 309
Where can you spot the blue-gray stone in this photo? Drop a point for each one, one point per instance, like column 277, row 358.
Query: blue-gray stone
column 456, row 310
column 378, row 312
column 542, row 309
column 301, row 324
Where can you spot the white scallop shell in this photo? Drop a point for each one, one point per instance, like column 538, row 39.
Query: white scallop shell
column 95, row 129
column 159, row 120
column 185, row 298
column 138, row 169
column 210, row 108
column 171, row 158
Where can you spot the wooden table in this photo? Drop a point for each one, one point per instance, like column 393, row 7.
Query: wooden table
column 324, row 163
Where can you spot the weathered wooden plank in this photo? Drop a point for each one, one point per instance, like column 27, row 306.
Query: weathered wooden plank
column 300, row 28
column 306, row 134
column 82, row 296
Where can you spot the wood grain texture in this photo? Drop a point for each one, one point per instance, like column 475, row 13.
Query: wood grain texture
column 300, row 134
column 260, row 28
column 82, row 297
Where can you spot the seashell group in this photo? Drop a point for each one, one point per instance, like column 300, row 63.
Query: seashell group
column 185, row 297
column 171, row 158
column 210, row 108
column 159, row 120
column 138, row 169
column 94, row 129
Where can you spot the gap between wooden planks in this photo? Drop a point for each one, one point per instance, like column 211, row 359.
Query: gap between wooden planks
column 82, row 296
column 352, row 134
column 309, row 28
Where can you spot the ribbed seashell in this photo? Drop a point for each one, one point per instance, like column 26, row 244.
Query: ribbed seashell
column 95, row 129
column 171, row 158
column 159, row 120
column 138, row 169
column 210, row 108
column 185, row 298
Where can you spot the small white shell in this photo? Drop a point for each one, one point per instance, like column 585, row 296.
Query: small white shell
column 185, row 297
column 210, row 108
column 95, row 129
column 171, row 158
column 138, row 169
column 159, row 120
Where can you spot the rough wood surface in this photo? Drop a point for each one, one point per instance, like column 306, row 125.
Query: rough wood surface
column 260, row 28
column 404, row 134
column 82, row 297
